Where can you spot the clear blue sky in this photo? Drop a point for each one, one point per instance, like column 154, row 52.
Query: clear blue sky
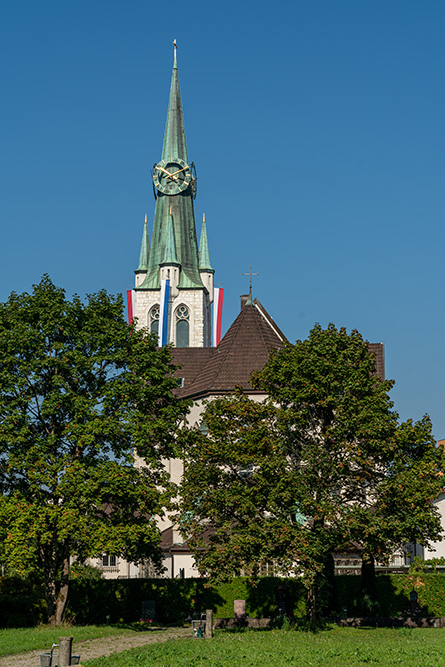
column 317, row 129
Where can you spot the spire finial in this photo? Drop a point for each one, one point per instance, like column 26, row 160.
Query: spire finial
column 145, row 218
column 203, row 218
column 175, row 46
column 250, row 274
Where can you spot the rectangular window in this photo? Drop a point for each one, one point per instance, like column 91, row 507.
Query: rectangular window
column 109, row 561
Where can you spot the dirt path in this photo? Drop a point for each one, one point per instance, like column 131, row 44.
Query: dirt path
column 96, row 648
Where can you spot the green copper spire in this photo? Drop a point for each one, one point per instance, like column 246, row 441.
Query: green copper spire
column 170, row 246
column 174, row 137
column 180, row 204
column 145, row 249
column 204, row 257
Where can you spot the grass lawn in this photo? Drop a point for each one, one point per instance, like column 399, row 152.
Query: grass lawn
column 16, row 640
column 337, row 647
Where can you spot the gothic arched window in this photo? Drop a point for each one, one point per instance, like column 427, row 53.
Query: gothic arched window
column 153, row 320
column 182, row 326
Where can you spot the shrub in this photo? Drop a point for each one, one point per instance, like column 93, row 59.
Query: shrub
column 120, row 600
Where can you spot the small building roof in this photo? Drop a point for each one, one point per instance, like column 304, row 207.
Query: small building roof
column 244, row 349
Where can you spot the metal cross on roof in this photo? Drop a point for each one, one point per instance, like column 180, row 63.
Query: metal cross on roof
column 250, row 274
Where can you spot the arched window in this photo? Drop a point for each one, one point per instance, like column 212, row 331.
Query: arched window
column 182, row 326
column 153, row 320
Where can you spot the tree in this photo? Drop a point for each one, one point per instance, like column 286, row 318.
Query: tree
column 81, row 393
column 313, row 468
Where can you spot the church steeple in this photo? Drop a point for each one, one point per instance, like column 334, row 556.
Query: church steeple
column 175, row 183
column 173, row 254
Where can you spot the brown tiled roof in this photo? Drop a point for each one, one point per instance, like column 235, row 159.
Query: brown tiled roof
column 191, row 361
column 167, row 544
column 245, row 348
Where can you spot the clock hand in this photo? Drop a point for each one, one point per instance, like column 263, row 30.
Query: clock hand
column 165, row 171
column 179, row 171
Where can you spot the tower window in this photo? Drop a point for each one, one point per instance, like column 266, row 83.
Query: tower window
column 153, row 320
column 182, row 326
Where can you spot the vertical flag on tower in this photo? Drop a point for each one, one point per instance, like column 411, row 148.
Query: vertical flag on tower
column 130, row 305
column 163, row 313
column 218, row 297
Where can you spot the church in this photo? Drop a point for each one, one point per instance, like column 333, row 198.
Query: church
column 174, row 296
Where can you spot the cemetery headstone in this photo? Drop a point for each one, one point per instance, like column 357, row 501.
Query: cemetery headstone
column 148, row 611
column 239, row 609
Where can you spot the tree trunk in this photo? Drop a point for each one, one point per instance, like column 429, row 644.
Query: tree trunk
column 62, row 596
column 311, row 606
column 56, row 598
column 369, row 587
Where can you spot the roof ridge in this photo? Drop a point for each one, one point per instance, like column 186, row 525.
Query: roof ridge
column 244, row 349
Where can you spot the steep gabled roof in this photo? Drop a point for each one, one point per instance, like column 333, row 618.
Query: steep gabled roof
column 207, row 371
column 245, row 348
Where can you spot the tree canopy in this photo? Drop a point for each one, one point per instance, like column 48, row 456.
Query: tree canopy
column 321, row 465
column 81, row 393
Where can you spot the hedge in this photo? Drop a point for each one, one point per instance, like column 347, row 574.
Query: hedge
column 22, row 603
column 120, row 600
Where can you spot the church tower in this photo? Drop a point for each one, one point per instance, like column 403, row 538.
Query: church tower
column 174, row 280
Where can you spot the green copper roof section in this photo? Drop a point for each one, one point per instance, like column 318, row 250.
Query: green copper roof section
column 178, row 207
column 204, row 257
column 170, row 245
column 174, row 137
column 145, row 249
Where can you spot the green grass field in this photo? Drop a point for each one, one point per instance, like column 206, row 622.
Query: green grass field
column 16, row 640
column 337, row 647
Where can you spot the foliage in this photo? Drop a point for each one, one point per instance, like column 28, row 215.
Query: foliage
column 22, row 602
column 319, row 466
column 85, row 571
column 335, row 647
column 120, row 601
column 402, row 509
column 420, row 565
column 177, row 598
column 80, row 392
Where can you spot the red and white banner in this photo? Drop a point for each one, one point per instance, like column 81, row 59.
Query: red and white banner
column 130, row 305
column 218, row 298
column 163, row 313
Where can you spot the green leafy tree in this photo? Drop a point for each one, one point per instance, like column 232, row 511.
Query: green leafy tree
column 313, row 468
column 81, row 393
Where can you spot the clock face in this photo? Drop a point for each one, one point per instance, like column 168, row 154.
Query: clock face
column 172, row 176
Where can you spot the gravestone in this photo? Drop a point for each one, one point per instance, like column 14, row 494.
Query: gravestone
column 209, row 623
column 282, row 600
column 148, row 611
column 239, row 609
